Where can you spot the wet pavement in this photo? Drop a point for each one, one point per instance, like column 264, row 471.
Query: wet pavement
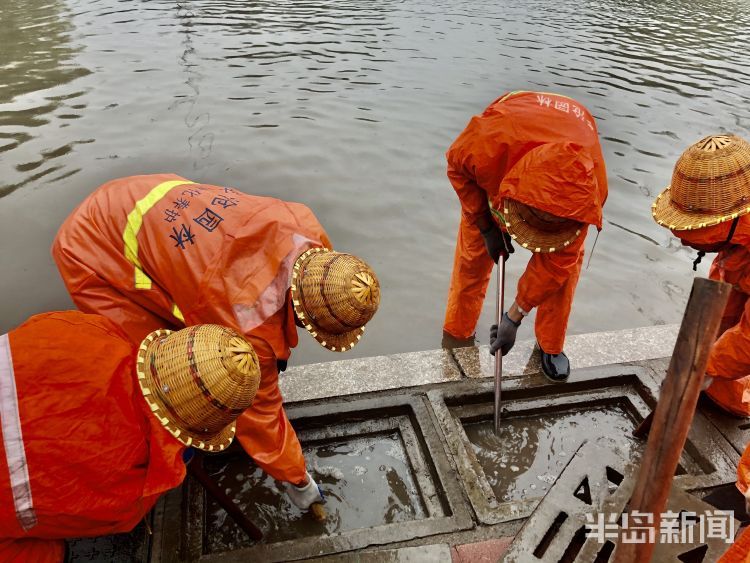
column 381, row 459
column 349, row 106
column 414, row 472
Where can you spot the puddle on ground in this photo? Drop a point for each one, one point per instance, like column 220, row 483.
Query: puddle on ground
column 531, row 451
column 367, row 481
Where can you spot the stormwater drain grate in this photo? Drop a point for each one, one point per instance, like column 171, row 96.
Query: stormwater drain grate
column 599, row 482
column 506, row 476
column 380, row 464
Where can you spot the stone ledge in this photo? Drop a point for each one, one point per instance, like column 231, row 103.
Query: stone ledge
column 584, row 350
column 436, row 553
column 380, row 373
column 363, row 375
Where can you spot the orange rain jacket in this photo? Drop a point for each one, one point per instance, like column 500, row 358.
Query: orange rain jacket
column 80, row 452
column 729, row 361
column 542, row 150
column 158, row 251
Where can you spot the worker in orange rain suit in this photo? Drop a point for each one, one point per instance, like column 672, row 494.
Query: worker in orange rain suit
column 706, row 207
column 740, row 550
column 532, row 160
column 149, row 251
column 85, row 450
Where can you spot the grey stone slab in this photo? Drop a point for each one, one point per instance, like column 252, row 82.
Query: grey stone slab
column 437, row 553
column 363, row 375
column 476, row 361
column 584, row 351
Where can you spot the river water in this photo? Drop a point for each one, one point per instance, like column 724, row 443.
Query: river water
column 348, row 106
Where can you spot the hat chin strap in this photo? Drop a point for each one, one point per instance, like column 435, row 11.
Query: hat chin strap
column 697, row 261
column 702, row 253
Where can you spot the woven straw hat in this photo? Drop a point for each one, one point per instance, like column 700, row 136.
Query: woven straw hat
column 197, row 381
column 710, row 185
column 533, row 232
column 334, row 295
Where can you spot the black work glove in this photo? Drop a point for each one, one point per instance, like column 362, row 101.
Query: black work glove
column 503, row 338
column 493, row 242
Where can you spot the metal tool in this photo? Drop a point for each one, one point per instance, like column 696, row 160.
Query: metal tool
column 499, row 353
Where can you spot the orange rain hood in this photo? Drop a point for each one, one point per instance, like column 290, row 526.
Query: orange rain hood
column 557, row 178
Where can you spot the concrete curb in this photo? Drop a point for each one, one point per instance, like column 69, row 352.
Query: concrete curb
column 398, row 371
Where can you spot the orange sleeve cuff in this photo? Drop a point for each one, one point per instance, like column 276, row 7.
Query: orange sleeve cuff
column 524, row 305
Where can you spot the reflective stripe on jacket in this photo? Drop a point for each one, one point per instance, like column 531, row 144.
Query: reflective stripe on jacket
column 186, row 253
column 81, row 454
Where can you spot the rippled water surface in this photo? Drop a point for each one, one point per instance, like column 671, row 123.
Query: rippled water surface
column 348, row 106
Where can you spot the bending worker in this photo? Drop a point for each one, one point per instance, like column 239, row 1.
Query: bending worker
column 706, row 207
column 529, row 169
column 150, row 251
column 94, row 429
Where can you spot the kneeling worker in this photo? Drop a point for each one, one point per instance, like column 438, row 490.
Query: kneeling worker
column 706, row 207
column 94, row 429
column 160, row 250
column 529, row 169
column 739, row 552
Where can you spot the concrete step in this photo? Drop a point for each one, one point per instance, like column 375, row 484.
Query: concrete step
column 437, row 553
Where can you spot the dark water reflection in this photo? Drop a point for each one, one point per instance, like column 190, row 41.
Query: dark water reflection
column 349, row 107
column 37, row 54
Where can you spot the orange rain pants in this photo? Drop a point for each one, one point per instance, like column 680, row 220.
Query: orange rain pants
column 743, row 473
column 483, row 167
column 732, row 394
column 160, row 251
column 740, row 550
column 729, row 362
column 549, row 283
column 87, row 455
